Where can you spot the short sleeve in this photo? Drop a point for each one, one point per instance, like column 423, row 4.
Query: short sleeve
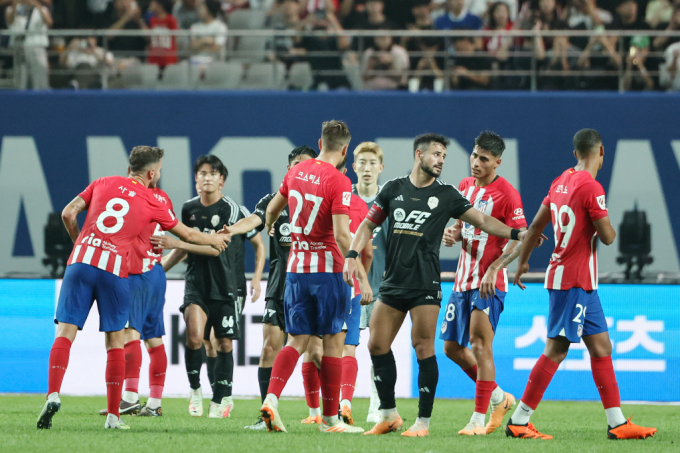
column 341, row 194
column 185, row 213
column 283, row 190
column 514, row 211
column 261, row 210
column 86, row 194
column 546, row 200
column 164, row 215
column 252, row 233
column 594, row 201
column 457, row 203
column 381, row 205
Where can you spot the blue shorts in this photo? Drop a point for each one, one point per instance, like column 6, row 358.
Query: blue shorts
column 316, row 304
column 147, row 298
column 575, row 313
column 456, row 324
column 353, row 321
column 82, row 285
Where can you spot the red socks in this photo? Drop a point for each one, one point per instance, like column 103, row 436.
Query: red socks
column 605, row 381
column 283, row 367
column 310, row 379
column 133, row 363
column 483, row 395
column 350, row 369
column 472, row 373
column 157, row 367
column 115, row 373
column 331, row 374
column 61, row 349
column 539, row 379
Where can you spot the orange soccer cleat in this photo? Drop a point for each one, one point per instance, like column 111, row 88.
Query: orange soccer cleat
column 347, row 415
column 385, row 427
column 473, row 429
column 312, row 420
column 498, row 412
column 417, row 430
column 527, row 431
column 630, row 430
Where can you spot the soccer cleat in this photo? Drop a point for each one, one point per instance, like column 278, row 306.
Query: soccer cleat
column 271, row 418
column 498, row 411
column 113, row 422
column 125, row 408
column 196, row 402
column 473, row 429
column 259, row 425
column 630, row 430
column 374, row 417
column 417, row 430
column 346, row 413
column 48, row 410
column 339, row 427
column 311, row 420
column 527, row 431
column 148, row 412
column 222, row 410
column 384, row 427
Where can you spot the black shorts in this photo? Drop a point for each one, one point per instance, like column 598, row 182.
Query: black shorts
column 274, row 315
column 405, row 302
column 223, row 315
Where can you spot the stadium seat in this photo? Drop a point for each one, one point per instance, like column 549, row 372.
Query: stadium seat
column 140, row 76
column 176, row 77
column 264, row 76
column 250, row 49
column 300, row 76
column 246, row 19
column 222, row 76
column 353, row 73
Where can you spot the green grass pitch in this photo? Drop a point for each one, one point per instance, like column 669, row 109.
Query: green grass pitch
column 577, row 428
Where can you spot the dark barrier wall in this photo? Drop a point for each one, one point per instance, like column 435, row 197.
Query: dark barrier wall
column 54, row 144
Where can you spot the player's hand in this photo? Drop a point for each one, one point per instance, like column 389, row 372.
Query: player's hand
column 366, row 293
column 451, row 235
column 542, row 239
column 522, row 268
column 488, row 287
column 272, row 232
column 349, row 271
column 220, row 241
column 255, row 289
column 166, row 242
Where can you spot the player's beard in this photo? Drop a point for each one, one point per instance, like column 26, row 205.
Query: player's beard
column 430, row 170
column 342, row 163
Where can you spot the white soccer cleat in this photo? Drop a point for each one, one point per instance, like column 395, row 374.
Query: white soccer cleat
column 258, row 426
column 374, row 417
column 196, row 402
column 222, row 410
column 271, row 417
column 113, row 422
column 339, row 427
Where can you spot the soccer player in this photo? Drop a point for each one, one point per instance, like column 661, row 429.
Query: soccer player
column 576, row 206
column 368, row 164
column 418, row 205
column 316, row 301
column 119, row 208
column 273, row 321
column 211, row 293
column 481, row 284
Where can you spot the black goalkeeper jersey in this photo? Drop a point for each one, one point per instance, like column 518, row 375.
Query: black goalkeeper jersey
column 279, row 248
column 211, row 277
column 417, row 219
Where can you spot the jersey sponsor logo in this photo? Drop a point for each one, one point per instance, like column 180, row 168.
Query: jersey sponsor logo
column 399, row 214
column 284, row 229
column 433, row 202
column 601, row 202
column 346, row 198
column 215, row 220
column 519, row 212
column 399, row 198
column 411, row 223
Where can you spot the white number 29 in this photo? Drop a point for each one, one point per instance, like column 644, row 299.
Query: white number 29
column 567, row 228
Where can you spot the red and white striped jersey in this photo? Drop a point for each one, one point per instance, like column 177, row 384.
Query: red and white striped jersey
column 316, row 191
column 143, row 256
column 357, row 213
column 501, row 201
column 119, row 209
column 575, row 200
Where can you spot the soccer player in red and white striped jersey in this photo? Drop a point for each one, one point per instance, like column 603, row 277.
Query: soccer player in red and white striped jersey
column 478, row 295
column 576, row 206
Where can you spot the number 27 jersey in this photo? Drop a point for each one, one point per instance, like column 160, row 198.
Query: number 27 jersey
column 576, row 200
column 316, row 191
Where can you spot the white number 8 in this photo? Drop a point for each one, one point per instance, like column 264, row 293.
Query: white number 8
column 110, row 212
column 450, row 312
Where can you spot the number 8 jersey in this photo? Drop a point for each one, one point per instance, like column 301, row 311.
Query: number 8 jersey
column 118, row 209
column 316, row 191
column 576, row 200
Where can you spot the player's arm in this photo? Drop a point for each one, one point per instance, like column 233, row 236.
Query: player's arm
column 69, row 215
column 533, row 235
column 258, row 244
column 274, row 209
column 252, row 222
column 452, row 234
column 170, row 243
column 363, row 267
column 217, row 241
column 605, row 230
column 488, row 285
column 487, row 224
column 172, row 259
column 361, row 237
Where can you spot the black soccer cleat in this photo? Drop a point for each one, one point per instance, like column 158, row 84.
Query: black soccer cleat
column 46, row 414
column 148, row 412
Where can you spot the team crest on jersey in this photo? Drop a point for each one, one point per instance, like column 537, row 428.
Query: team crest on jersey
column 444, row 326
column 601, row 202
column 399, row 215
column 579, row 330
column 481, row 205
column 433, row 202
column 215, row 220
column 284, row 229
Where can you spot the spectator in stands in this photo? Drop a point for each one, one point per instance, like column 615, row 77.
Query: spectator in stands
column 351, row 12
column 457, row 18
column 480, row 8
column 385, row 65
column 97, row 10
column 163, row 47
column 636, row 77
column 585, row 15
column 126, row 15
column 31, row 16
column 374, row 19
column 658, row 11
column 660, row 43
column 287, row 17
column 399, row 12
column 209, row 36
column 86, row 59
column 470, row 71
column 423, row 50
column 499, row 45
column 556, row 47
column 668, row 71
column 186, row 13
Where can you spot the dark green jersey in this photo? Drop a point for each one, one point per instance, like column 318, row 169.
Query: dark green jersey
column 279, row 248
column 239, row 242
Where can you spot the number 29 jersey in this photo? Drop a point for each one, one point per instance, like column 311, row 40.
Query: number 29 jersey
column 576, row 200
column 316, row 191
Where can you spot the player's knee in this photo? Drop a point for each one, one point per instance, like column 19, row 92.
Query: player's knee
column 479, row 345
column 453, row 350
column 602, row 349
column 374, row 348
column 194, row 341
column 424, row 347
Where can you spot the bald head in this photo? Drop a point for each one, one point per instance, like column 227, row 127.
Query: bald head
column 587, row 141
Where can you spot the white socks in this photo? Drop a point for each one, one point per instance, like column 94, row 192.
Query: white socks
column 314, row 412
column 522, row 414
column 497, row 396
column 374, row 404
column 477, row 417
column 424, row 422
column 614, row 417
column 53, row 398
column 153, row 403
column 130, row 397
column 347, row 403
column 332, row 420
column 272, row 399
column 389, row 414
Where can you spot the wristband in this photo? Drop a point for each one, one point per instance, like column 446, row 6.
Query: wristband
column 514, row 234
column 352, row 254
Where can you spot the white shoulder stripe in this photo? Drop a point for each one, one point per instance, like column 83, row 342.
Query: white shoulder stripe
column 234, row 209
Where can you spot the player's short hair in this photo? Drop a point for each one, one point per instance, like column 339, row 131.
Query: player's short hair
column 214, row 8
column 143, row 156
column 335, row 134
column 490, row 142
column 427, row 139
column 214, row 162
column 585, row 140
column 368, row 147
column 167, row 5
column 300, row 151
